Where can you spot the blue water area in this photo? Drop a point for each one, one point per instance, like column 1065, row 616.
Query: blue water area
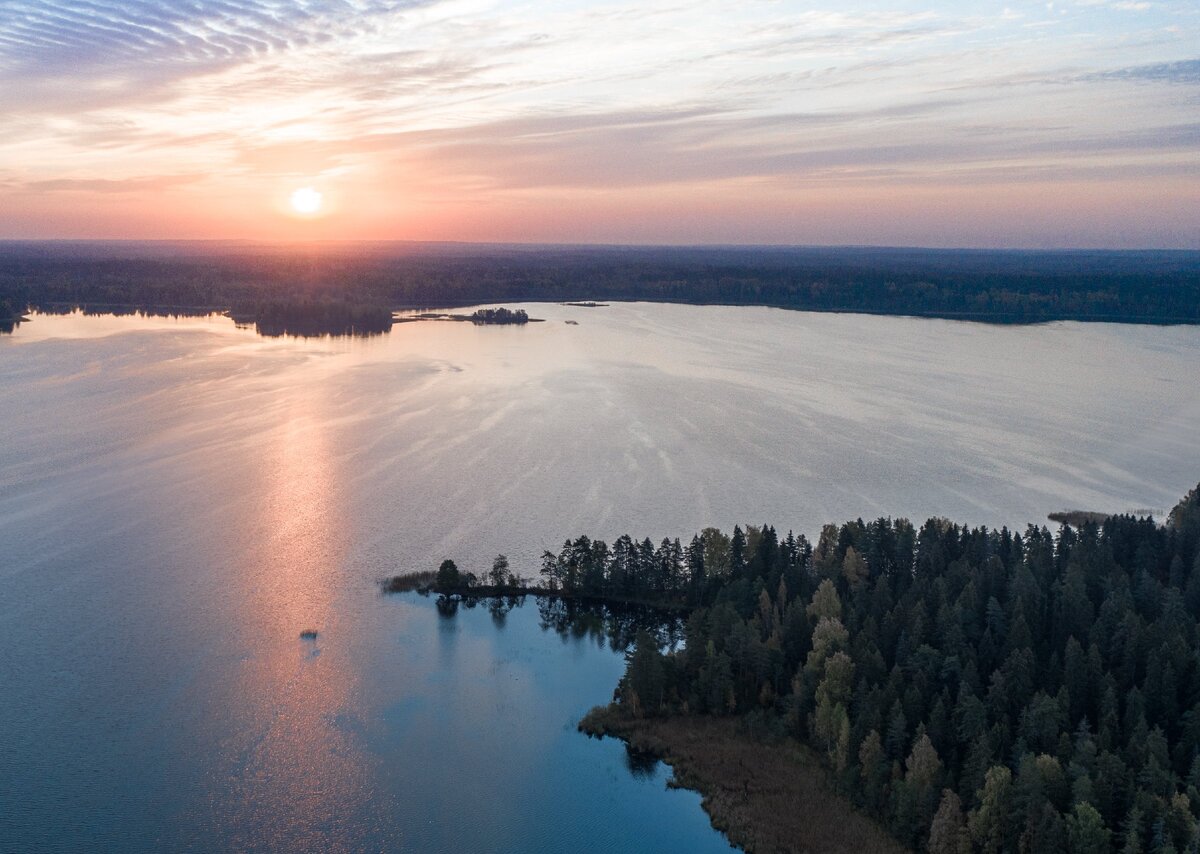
column 181, row 499
column 462, row 738
column 487, row 752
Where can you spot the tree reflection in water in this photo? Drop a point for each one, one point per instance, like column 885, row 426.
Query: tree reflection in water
column 615, row 626
column 642, row 764
column 611, row 626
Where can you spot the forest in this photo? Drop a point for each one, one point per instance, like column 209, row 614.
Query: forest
column 975, row 689
column 312, row 317
column 8, row 317
column 994, row 286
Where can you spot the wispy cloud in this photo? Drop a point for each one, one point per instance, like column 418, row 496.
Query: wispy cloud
column 102, row 35
column 620, row 150
column 111, row 52
column 1186, row 71
column 104, row 185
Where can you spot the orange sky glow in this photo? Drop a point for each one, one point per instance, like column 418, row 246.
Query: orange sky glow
column 1026, row 125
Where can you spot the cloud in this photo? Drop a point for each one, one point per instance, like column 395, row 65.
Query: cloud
column 1183, row 72
column 103, row 185
column 101, row 34
column 1121, row 5
column 630, row 150
column 118, row 49
column 1186, row 71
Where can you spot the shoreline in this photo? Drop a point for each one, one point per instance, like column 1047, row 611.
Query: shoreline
column 766, row 798
column 981, row 317
column 420, row 585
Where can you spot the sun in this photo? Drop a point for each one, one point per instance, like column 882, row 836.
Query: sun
column 307, row 201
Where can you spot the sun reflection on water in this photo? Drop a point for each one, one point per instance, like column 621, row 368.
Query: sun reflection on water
column 298, row 778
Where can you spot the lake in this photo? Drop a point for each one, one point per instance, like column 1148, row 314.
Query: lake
column 179, row 499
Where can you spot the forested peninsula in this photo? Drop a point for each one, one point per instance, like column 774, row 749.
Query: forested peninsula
column 288, row 287
column 972, row 689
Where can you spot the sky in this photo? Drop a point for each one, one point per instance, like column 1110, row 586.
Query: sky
column 1073, row 123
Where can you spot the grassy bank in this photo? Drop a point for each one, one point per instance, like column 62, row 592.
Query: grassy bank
column 766, row 797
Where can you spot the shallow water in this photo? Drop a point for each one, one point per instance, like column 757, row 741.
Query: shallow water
column 180, row 498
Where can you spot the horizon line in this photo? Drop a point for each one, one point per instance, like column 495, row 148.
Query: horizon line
column 535, row 245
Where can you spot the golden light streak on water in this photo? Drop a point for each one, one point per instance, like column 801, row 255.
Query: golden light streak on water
column 301, row 776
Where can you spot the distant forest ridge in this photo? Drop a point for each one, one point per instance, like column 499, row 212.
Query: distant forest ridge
column 1004, row 286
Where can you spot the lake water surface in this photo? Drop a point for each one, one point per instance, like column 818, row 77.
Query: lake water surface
column 180, row 498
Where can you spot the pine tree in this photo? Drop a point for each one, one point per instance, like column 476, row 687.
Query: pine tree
column 644, row 678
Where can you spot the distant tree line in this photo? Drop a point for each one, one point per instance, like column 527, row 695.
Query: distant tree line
column 311, row 317
column 1010, row 287
column 978, row 690
column 8, row 316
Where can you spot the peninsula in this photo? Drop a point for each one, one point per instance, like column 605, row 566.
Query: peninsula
column 967, row 688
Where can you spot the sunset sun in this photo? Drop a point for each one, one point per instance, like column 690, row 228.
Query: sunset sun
column 306, row 201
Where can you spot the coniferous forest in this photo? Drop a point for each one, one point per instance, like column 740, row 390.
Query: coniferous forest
column 978, row 690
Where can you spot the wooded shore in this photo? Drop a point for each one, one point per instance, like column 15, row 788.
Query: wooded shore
column 423, row 583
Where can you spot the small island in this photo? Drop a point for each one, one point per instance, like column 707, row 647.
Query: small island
column 480, row 317
column 499, row 317
column 1078, row 518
